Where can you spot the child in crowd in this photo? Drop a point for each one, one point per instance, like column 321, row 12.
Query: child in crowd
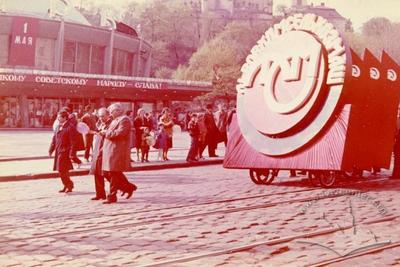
column 145, row 144
column 161, row 142
column 194, row 132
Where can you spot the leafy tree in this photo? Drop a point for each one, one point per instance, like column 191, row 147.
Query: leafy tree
column 174, row 24
column 377, row 34
column 220, row 59
column 376, row 27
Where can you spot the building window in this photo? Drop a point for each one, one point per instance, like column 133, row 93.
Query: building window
column 83, row 58
column 122, row 63
column 45, row 49
column 4, row 43
column 97, row 60
column 69, row 57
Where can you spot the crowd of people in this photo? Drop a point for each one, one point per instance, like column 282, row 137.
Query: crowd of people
column 111, row 134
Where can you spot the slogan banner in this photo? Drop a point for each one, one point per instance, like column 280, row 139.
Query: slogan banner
column 23, row 41
column 77, row 81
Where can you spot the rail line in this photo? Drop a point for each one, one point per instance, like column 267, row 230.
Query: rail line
column 355, row 255
column 280, row 241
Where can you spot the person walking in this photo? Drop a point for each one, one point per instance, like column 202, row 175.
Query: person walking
column 78, row 139
column 97, row 157
column 116, row 153
column 212, row 131
column 221, row 121
column 90, row 120
column 140, row 122
column 161, row 142
column 167, row 122
column 194, row 131
column 62, row 142
column 202, row 136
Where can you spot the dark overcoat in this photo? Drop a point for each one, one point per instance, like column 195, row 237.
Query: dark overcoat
column 61, row 144
column 97, row 156
column 116, row 147
column 209, row 122
column 139, row 123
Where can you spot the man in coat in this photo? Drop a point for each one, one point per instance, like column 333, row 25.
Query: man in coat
column 212, row 131
column 90, row 120
column 116, row 153
column 62, row 143
column 97, row 156
column 221, row 117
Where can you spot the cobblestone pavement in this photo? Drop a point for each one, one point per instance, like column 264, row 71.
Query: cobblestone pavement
column 199, row 216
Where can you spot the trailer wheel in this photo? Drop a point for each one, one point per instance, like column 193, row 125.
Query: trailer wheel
column 253, row 176
column 328, row 178
column 262, row 176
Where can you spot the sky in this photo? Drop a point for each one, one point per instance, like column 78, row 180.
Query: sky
column 359, row 11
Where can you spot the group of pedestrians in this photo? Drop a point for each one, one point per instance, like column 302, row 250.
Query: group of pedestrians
column 207, row 130
column 111, row 135
column 111, row 153
column 162, row 139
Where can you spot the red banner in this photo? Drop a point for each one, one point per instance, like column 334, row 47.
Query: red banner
column 23, row 41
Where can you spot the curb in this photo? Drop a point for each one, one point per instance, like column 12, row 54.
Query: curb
column 169, row 165
column 79, row 155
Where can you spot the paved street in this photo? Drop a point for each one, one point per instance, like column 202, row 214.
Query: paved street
column 199, row 216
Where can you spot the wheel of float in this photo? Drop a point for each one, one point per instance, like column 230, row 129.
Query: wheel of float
column 265, row 176
column 253, row 176
column 327, row 178
column 313, row 177
column 262, row 176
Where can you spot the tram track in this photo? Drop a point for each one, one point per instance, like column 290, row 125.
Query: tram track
column 355, row 255
column 166, row 218
column 282, row 240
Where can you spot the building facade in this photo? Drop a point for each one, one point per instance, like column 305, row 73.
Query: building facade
column 300, row 6
column 51, row 56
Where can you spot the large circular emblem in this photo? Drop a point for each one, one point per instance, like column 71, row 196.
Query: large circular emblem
column 291, row 84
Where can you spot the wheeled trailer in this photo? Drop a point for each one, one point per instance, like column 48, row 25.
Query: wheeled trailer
column 306, row 101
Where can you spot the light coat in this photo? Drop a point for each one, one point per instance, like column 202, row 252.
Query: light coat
column 116, row 147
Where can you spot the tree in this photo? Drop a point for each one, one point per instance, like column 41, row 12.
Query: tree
column 220, row 59
column 376, row 27
column 377, row 34
column 172, row 23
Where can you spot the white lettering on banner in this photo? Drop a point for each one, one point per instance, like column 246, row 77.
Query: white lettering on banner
column 111, row 83
column 322, row 30
column 61, row 80
column 145, row 85
column 12, row 78
column 23, row 40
